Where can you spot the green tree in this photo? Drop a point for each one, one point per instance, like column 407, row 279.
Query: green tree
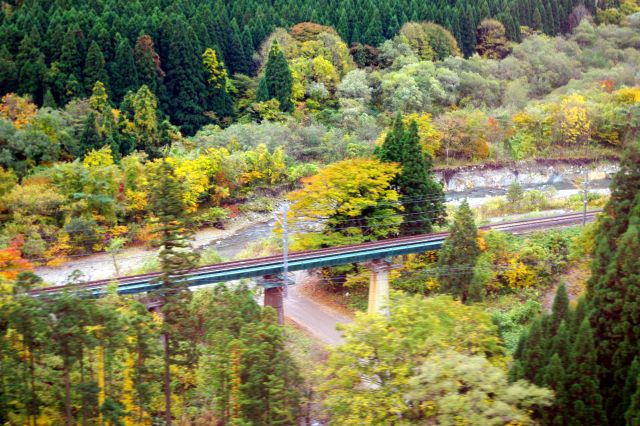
column 422, row 195
column 218, row 85
column 147, row 60
column 388, row 368
column 632, row 416
column 554, row 378
column 584, row 388
column 89, row 138
column 392, row 149
column 277, row 79
column 49, row 101
column 71, row 59
column 491, row 40
column 94, row 68
column 176, row 257
column 184, row 81
column 31, row 69
column 123, row 71
column 8, row 70
column 560, row 310
column 459, row 253
column 615, row 283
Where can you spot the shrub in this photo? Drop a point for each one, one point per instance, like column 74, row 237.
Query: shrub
column 215, row 216
column 258, row 205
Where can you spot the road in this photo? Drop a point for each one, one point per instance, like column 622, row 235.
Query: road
column 319, row 320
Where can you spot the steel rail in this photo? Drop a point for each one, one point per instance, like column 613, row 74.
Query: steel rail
column 309, row 259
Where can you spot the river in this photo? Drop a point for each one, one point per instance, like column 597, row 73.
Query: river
column 230, row 242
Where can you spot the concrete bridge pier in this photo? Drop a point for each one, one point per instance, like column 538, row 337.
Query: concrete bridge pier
column 273, row 298
column 379, row 286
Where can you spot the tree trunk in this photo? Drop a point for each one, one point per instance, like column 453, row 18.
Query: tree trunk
column 67, row 395
column 83, row 406
column 33, row 408
column 167, row 379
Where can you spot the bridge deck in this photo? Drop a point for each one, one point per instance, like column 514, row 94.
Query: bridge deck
column 310, row 259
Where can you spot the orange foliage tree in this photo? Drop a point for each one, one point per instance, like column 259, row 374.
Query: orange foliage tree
column 17, row 109
column 11, row 261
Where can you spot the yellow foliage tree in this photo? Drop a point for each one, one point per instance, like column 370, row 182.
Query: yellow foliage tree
column 353, row 201
column 17, row 109
column 573, row 119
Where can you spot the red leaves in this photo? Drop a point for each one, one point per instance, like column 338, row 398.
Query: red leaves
column 11, row 261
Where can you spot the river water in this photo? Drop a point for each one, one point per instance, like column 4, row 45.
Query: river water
column 230, row 244
column 229, row 247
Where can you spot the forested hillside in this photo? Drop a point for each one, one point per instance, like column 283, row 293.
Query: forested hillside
column 142, row 129
column 64, row 47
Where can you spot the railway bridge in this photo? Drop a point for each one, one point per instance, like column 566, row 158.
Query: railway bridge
column 270, row 269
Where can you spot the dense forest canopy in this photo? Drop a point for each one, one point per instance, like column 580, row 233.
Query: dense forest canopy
column 65, row 46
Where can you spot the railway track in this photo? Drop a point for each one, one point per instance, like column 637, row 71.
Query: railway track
column 515, row 227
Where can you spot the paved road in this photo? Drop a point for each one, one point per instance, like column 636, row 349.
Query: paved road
column 317, row 319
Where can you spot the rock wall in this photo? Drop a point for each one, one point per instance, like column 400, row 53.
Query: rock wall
column 527, row 173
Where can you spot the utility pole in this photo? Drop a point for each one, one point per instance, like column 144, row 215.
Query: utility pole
column 584, row 197
column 285, row 247
column 274, row 295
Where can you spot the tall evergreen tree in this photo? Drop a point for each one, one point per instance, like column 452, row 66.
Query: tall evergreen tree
column 533, row 355
column 277, row 78
column 184, row 81
column 468, row 29
column 614, row 287
column 586, row 400
column 219, row 100
column 560, row 309
column 421, row 195
column 123, row 72
column 631, row 388
column 89, row 138
column 8, row 70
column 632, row 415
column 459, row 253
column 71, row 54
column 148, row 67
column 176, row 257
column 49, row 101
column 392, row 148
column 94, row 68
column 554, row 378
column 31, row 69
column 237, row 54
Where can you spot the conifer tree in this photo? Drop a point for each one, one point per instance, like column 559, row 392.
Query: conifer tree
column 533, row 356
column 560, row 344
column 218, row 84
column 89, row 138
column 631, row 388
column 31, row 69
column 8, row 70
column 71, row 57
column 237, row 55
column 49, row 101
column 148, row 67
column 176, row 257
column 459, row 253
column 632, row 415
column 392, row 149
column 184, row 81
column 277, row 79
column 421, row 194
column 560, row 309
column 123, row 72
column 94, row 69
column 614, row 287
column 554, row 378
column 584, row 389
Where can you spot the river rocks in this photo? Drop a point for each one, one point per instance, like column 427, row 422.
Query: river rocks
column 527, row 173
